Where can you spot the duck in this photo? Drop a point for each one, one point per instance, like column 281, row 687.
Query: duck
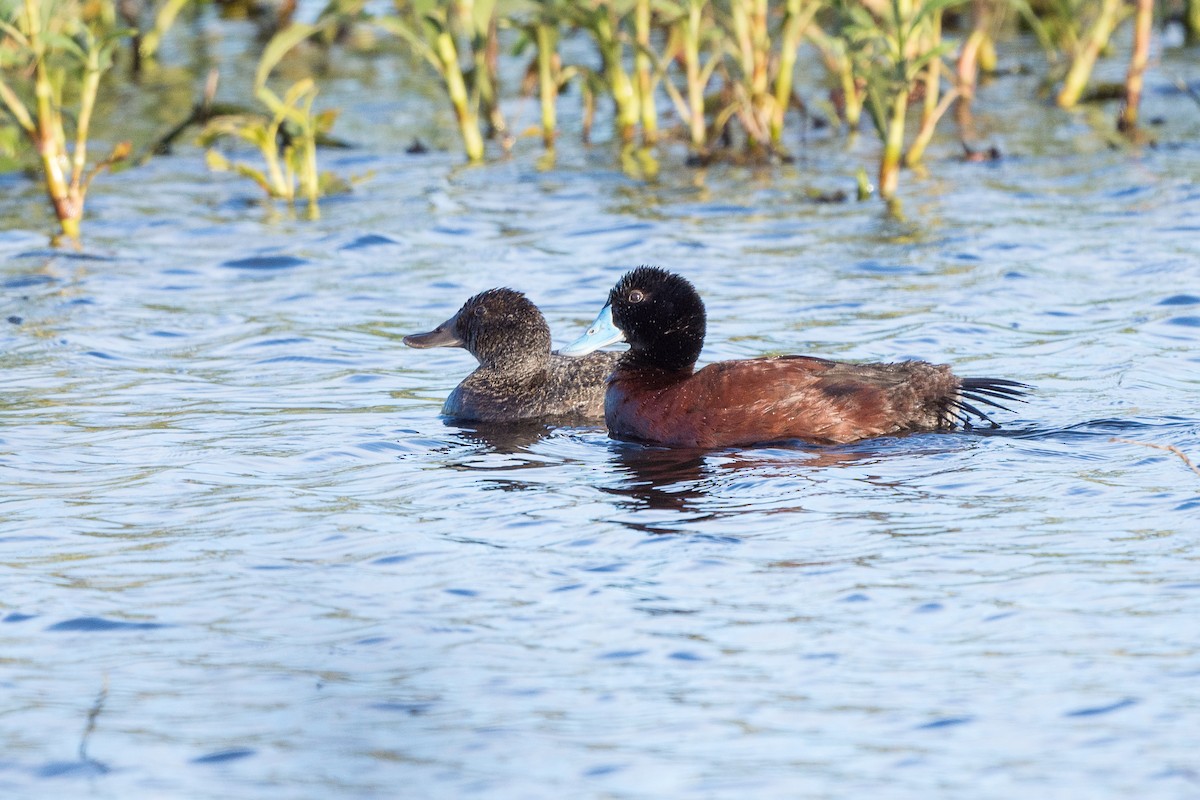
column 657, row 396
column 518, row 377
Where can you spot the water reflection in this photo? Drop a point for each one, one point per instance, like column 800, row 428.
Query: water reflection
column 660, row 478
column 504, row 438
column 693, row 481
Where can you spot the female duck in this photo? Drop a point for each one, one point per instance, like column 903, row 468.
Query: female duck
column 518, row 378
column 656, row 395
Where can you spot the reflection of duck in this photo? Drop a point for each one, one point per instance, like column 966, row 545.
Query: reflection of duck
column 504, row 438
column 660, row 478
column 518, row 377
column 656, row 395
column 688, row 479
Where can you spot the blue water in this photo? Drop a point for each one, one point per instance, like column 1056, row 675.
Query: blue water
column 242, row 556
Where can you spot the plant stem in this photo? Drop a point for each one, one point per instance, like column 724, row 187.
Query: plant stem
column 87, row 103
column 645, row 85
column 750, row 32
column 49, row 140
column 695, row 86
column 468, row 118
column 547, row 36
column 889, row 165
column 795, row 21
column 967, row 67
column 1085, row 56
column 486, row 49
column 933, row 71
column 1143, row 23
column 916, row 150
column 838, row 62
column 1191, row 22
column 619, row 84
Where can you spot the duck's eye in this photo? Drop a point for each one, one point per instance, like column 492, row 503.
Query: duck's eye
column 636, row 296
column 480, row 311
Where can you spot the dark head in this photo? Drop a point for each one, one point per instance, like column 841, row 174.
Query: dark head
column 500, row 327
column 658, row 312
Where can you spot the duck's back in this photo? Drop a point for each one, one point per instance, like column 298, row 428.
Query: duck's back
column 569, row 390
column 790, row 397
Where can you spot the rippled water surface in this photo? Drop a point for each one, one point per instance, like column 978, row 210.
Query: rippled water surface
column 243, row 556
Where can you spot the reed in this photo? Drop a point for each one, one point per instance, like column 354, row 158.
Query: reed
column 974, row 48
column 540, row 29
column 602, row 22
column 848, row 97
column 477, row 22
column 1107, row 15
column 644, row 72
column 1127, row 121
column 798, row 14
column 546, row 36
column 689, row 34
column 890, row 53
column 748, row 36
column 425, row 25
column 49, row 52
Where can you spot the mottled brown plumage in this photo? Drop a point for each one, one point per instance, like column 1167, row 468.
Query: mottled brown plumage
column 518, row 378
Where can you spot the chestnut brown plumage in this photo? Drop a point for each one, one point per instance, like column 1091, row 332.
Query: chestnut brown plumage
column 656, row 394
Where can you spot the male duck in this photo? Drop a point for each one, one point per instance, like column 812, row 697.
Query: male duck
column 656, row 395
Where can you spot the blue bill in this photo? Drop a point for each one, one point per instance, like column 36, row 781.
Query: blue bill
column 601, row 334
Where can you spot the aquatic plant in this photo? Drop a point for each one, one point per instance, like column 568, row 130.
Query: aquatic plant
column 689, row 33
column 646, row 81
column 541, row 30
column 148, row 42
column 50, row 53
column 287, row 137
column 1105, row 15
column 848, row 98
column 798, row 14
column 889, row 53
column 602, row 22
column 430, row 28
column 1143, row 22
column 977, row 53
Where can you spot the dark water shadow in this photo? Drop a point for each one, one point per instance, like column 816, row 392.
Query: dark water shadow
column 697, row 484
column 687, row 480
column 504, row 438
column 1100, row 429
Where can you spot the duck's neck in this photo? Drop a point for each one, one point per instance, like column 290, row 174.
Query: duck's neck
column 514, row 366
column 650, row 368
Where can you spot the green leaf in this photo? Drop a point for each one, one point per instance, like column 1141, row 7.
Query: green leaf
column 65, row 44
column 216, row 162
column 278, row 47
column 482, row 13
column 14, row 33
column 247, row 171
column 420, row 46
column 929, row 8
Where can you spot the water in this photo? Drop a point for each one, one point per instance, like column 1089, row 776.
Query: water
column 243, row 556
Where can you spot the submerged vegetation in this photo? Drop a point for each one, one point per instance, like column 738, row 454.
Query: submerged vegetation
column 727, row 79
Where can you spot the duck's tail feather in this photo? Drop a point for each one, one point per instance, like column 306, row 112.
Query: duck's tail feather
column 975, row 392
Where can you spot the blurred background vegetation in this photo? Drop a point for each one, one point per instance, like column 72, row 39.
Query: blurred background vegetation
column 723, row 78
